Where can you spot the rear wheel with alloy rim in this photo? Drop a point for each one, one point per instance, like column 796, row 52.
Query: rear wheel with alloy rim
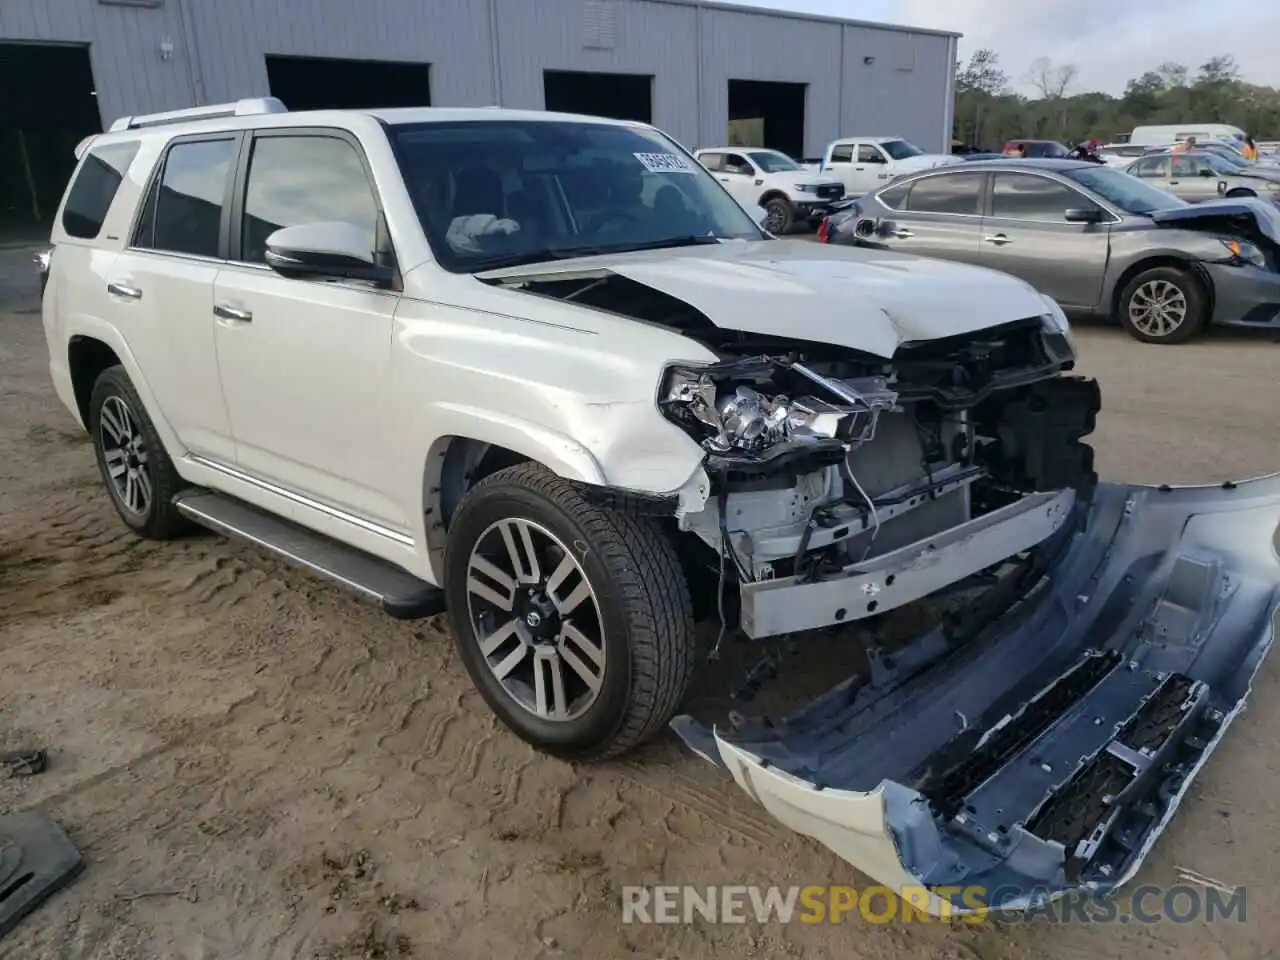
column 135, row 468
column 573, row 619
column 1163, row 305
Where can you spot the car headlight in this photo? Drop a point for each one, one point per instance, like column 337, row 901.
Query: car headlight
column 1273, row 186
column 1243, row 252
column 806, row 188
column 750, row 407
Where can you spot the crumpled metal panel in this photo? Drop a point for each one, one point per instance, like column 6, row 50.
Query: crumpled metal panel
column 1043, row 748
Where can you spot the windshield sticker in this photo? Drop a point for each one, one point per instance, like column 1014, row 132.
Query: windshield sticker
column 664, row 163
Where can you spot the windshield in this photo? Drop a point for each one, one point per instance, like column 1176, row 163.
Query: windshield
column 771, row 161
column 1219, row 163
column 493, row 193
column 900, row 149
column 1121, row 190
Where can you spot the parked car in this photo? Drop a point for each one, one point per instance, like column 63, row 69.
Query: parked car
column 864, row 163
column 544, row 374
column 1097, row 240
column 1035, row 149
column 772, row 180
column 1120, row 154
column 1228, row 151
column 1197, row 176
column 1167, row 134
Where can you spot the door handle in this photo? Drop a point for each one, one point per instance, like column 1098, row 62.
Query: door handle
column 859, row 169
column 998, row 239
column 724, row 179
column 224, row 312
column 128, row 291
column 882, row 176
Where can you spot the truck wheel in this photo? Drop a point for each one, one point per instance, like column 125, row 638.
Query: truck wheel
column 779, row 215
column 1163, row 305
column 573, row 619
column 134, row 465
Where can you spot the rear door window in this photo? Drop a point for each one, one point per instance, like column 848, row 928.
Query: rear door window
column 712, row 161
column 95, row 187
column 948, row 193
column 842, row 153
column 185, row 207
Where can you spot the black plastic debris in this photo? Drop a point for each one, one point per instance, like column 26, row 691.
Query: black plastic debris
column 23, row 763
column 36, row 861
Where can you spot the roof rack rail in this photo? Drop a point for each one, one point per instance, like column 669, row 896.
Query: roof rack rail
column 253, row 106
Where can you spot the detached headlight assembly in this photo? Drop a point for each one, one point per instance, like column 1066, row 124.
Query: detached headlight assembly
column 750, row 407
column 1243, row 252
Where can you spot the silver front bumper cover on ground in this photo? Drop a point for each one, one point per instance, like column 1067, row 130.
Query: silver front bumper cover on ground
column 1127, row 649
column 891, row 580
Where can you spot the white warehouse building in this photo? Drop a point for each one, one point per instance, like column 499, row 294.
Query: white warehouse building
column 695, row 68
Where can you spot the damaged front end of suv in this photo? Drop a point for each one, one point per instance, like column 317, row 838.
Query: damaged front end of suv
column 903, row 448
column 1036, row 742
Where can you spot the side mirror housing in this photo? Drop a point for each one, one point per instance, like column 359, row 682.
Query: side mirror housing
column 1084, row 215
column 335, row 250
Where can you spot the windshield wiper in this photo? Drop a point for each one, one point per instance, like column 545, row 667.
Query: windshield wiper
column 547, row 254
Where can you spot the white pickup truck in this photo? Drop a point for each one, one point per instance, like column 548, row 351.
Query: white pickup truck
column 864, row 164
column 764, row 178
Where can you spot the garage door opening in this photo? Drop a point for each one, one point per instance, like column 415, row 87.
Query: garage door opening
column 47, row 106
column 767, row 114
column 328, row 83
column 620, row 96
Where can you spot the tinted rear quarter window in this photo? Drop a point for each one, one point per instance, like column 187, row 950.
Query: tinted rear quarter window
column 1020, row 196
column 953, row 193
column 892, row 197
column 95, row 187
column 184, row 208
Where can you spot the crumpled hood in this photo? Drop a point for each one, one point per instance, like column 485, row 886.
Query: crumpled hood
column 1265, row 215
column 868, row 300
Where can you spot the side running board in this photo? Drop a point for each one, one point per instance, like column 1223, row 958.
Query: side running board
column 400, row 594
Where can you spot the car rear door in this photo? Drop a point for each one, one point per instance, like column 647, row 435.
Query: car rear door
column 1158, row 171
column 161, row 288
column 1025, row 233
column 304, row 363
column 940, row 215
column 839, row 164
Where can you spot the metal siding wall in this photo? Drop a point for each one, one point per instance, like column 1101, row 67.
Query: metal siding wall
column 650, row 38
column 452, row 35
column 882, row 100
column 219, row 46
column 752, row 46
column 124, row 49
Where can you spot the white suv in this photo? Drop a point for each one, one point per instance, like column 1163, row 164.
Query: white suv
column 543, row 373
column 764, row 178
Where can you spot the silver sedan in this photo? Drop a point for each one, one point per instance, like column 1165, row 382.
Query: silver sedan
column 1201, row 175
column 1097, row 240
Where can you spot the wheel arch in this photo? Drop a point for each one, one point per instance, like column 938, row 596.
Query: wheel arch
column 1241, row 192
column 1195, row 268
column 460, row 459
column 89, row 352
column 773, row 194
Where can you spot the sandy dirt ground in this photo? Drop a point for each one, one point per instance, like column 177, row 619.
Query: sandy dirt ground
column 257, row 765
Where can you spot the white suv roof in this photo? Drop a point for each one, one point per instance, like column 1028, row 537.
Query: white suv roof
column 260, row 112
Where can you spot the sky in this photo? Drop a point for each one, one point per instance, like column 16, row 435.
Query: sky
column 1109, row 41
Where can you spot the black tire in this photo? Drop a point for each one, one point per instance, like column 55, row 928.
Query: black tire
column 780, row 216
column 642, row 599
column 159, row 519
column 1192, row 292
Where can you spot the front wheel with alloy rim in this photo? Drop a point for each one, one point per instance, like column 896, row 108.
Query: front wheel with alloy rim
column 135, row 468
column 1163, row 305
column 779, row 216
column 573, row 619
